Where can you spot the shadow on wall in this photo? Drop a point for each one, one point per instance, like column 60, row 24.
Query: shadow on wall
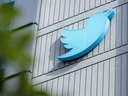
column 57, row 49
column 121, row 67
column 122, row 1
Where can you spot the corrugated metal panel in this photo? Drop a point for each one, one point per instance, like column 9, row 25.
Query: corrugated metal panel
column 97, row 3
column 42, row 14
column 79, row 17
column 55, row 87
column 53, row 11
column 52, row 52
column 44, row 86
column 102, row 79
column 61, row 15
column 71, row 84
column 118, row 76
column 113, row 31
column 112, row 77
column 102, row 72
column 49, row 87
column 125, row 23
column 92, row 4
column 37, row 54
column 77, row 6
column 66, row 9
column 107, row 40
column 54, row 48
column 118, row 26
column 94, row 81
column 56, row 14
column 47, row 53
column 77, row 83
column 82, row 4
column 65, row 86
column 46, row 15
column 124, row 78
column 57, row 51
column 60, row 86
column 42, row 55
column 106, row 78
column 82, row 82
column 103, row 2
column 72, row 6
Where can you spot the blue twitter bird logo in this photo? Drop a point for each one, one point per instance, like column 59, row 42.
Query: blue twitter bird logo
column 80, row 42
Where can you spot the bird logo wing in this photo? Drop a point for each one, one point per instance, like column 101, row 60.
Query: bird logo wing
column 72, row 40
column 81, row 41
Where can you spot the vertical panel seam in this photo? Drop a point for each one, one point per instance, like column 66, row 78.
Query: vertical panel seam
column 50, row 52
column 57, row 86
column 59, row 50
column 109, row 78
column 79, row 7
column 64, row 9
column 54, row 11
column 49, row 13
column 121, row 77
column 115, row 77
column 89, row 4
column 39, row 13
column 94, row 4
column 80, row 82
column 74, row 82
column 45, row 52
column 127, row 22
column 59, row 10
column 69, row 8
column 44, row 12
column 121, row 23
column 91, row 80
column 74, row 8
column 68, row 83
column 55, row 50
column 34, row 58
column 97, row 80
column 44, row 55
column 39, row 56
column 103, row 80
column 110, row 36
column 127, row 72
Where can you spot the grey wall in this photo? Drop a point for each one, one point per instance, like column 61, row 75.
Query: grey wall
column 13, row 67
column 26, row 16
column 102, row 72
column 27, row 12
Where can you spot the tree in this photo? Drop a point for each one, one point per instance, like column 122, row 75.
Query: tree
column 12, row 48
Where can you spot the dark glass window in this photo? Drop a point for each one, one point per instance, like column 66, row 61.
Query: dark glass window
column 2, row 67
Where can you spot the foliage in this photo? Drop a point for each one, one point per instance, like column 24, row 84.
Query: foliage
column 12, row 48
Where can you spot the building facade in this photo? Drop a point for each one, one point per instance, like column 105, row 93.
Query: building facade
column 101, row 72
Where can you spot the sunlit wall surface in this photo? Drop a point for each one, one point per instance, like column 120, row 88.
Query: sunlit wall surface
column 101, row 72
column 11, row 3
